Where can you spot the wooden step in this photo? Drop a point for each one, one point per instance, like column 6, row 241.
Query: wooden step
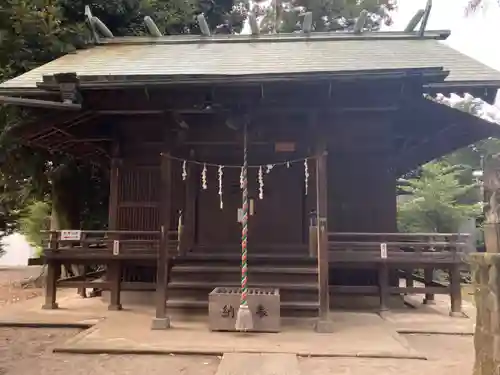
column 254, row 258
column 212, row 285
column 201, row 289
column 228, row 274
column 254, row 269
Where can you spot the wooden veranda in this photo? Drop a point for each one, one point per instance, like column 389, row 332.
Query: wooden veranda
column 329, row 133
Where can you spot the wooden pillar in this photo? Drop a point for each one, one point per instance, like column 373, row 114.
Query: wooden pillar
column 53, row 268
column 114, row 269
column 409, row 277
column 53, row 273
column 455, row 291
column 428, row 281
column 324, row 325
column 190, row 208
column 491, row 196
column 383, row 285
column 114, row 276
column 113, row 193
column 161, row 320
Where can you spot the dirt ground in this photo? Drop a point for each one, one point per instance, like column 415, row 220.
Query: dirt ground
column 28, row 351
column 14, row 285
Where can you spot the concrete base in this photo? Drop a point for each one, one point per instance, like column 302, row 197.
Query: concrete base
column 324, row 326
column 115, row 307
column 50, row 306
column 160, row 323
column 457, row 314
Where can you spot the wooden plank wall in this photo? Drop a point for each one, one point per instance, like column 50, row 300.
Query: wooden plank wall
column 361, row 181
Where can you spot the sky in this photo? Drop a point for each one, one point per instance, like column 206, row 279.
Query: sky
column 475, row 35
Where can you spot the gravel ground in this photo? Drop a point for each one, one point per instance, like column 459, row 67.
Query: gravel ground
column 448, row 355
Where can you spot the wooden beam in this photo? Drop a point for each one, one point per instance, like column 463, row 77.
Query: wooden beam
column 414, row 21
column 37, row 103
column 202, row 22
column 254, row 25
column 161, row 320
column 425, row 18
column 307, row 23
column 360, row 22
column 151, row 26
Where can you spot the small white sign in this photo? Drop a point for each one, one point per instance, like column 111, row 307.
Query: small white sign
column 383, row 250
column 240, row 215
column 71, row 235
column 116, row 247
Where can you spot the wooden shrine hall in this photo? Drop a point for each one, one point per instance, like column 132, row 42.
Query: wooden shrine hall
column 332, row 120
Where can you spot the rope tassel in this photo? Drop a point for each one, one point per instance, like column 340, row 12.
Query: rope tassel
column 244, row 317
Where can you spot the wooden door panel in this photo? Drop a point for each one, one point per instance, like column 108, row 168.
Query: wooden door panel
column 217, row 226
column 279, row 216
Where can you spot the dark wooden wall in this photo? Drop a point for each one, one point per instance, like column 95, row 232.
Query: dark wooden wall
column 361, row 181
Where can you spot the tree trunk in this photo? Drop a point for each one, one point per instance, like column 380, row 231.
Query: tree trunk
column 65, row 204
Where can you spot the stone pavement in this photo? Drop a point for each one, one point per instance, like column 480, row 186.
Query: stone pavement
column 261, row 364
column 357, row 335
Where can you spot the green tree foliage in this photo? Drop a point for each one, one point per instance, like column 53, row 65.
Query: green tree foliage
column 435, row 200
column 35, row 219
column 328, row 15
column 474, row 5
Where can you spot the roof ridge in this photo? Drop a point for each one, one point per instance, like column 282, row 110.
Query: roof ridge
column 283, row 37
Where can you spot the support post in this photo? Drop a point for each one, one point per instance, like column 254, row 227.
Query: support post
column 383, row 285
column 190, row 208
column 455, row 291
column 428, row 280
column 409, row 278
column 161, row 320
column 115, row 277
column 53, row 273
column 491, row 197
column 324, row 325
column 114, row 269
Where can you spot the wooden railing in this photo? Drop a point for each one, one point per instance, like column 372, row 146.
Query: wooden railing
column 102, row 245
column 400, row 248
column 401, row 253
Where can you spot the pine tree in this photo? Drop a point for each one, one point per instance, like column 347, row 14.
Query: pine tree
column 435, row 200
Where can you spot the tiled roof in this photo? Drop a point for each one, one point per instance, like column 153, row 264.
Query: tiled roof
column 228, row 57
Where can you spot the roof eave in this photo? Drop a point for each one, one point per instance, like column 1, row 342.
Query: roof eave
column 427, row 75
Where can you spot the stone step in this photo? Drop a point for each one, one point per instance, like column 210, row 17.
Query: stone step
column 258, row 364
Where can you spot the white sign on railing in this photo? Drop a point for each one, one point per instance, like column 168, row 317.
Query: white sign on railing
column 116, row 247
column 383, row 250
column 71, row 235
